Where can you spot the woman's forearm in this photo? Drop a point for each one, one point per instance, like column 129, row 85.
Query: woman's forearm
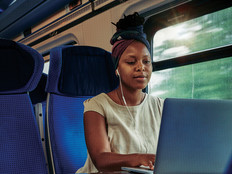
column 108, row 161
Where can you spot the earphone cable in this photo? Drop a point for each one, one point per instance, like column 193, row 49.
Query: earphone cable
column 123, row 98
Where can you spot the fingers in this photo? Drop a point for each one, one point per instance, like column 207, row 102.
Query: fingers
column 147, row 160
column 151, row 161
column 150, row 164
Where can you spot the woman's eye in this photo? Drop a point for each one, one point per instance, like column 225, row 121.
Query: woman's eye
column 147, row 61
column 130, row 63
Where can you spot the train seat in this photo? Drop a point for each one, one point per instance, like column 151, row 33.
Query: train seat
column 21, row 149
column 39, row 100
column 39, row 95
column 76, row 73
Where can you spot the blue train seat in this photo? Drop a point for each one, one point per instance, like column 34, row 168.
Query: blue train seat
column 39, row 95
column 76, row 73
column 20, row 148
column 39, row 100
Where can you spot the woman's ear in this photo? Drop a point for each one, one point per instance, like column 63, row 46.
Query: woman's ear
column 117, row 73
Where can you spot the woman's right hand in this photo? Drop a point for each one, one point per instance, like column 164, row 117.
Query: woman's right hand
column 147, row 160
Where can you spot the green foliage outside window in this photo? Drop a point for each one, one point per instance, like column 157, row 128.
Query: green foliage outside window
column 207, row 80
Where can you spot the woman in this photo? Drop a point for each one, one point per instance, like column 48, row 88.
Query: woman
column 122, row 126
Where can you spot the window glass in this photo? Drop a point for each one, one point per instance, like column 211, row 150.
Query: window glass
column 208, row 31
column 207, row 80
column 46, row 67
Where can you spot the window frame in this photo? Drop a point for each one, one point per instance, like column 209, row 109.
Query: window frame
column 178, row 14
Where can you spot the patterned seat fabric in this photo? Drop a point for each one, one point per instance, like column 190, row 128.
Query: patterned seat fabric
column 20, row 148
column 76, row 73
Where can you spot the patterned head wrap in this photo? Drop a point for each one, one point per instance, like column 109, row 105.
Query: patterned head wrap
column 129, row 29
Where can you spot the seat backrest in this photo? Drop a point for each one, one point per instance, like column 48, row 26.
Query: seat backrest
column 20, row 148
column 76, row 73
column 39, row 100
column 39, row 95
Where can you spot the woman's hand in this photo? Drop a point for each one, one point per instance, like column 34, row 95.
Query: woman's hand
column 147, row 160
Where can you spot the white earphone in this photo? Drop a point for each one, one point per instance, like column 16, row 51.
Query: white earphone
column 123, row 98
column 117, row 72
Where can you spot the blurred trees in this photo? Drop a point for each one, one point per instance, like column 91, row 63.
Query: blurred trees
column 209, row 80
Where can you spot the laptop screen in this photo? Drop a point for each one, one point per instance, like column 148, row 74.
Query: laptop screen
column 195, row 136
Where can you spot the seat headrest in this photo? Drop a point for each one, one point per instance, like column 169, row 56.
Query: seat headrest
column 20, row 67
column 80, row 71
column 38, row 95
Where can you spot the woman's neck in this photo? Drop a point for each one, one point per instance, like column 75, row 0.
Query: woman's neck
column 132, row 97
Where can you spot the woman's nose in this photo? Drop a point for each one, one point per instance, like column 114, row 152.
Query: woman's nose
column 140, row 66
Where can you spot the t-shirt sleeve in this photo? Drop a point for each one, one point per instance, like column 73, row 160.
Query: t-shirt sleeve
column 160, row 104
column 94, row 104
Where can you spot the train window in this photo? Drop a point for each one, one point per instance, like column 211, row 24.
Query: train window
column 46, row 63
column 207, row 80
column 46, row 67
column 205, row 32
column 207, row 76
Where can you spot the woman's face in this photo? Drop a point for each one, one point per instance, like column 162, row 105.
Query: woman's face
column 135, row 66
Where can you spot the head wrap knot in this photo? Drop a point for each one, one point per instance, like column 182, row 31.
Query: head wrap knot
column 128, row 29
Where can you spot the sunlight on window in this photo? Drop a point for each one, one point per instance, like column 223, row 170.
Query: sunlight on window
column 209, row 31
column 157, row 78
column 175, row 51
column 173, row 33
column 178, row 32
column 207, row 80
column 46, row 67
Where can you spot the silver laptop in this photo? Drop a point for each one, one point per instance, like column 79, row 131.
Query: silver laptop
column 141, row 169
column 195, row 136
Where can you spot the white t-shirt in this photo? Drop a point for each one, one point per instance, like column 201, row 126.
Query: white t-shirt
column 127, row 133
